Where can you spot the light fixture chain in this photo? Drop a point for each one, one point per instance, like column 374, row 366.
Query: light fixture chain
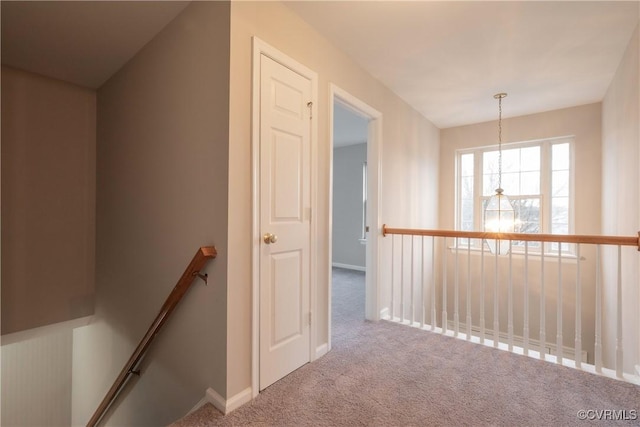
column 500, row 142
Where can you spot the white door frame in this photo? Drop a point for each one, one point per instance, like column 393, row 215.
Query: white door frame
column 374, row 145
column 262, row 48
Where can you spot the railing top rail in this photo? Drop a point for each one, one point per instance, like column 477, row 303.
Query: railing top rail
column 559, row 238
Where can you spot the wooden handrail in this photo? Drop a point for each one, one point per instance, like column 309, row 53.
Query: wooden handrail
column 193, row 269
column 560, row 238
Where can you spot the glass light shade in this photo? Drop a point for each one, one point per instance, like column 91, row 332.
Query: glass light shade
column 499, row 217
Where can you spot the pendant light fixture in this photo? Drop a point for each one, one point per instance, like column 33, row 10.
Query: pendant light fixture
column 499, row 216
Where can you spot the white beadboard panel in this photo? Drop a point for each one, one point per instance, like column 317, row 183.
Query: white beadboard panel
column 36, row 381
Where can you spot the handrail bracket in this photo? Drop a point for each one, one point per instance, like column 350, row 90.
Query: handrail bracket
column 204, row 277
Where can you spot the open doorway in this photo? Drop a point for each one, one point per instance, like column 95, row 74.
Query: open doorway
column 349, row 234
column 355, row 226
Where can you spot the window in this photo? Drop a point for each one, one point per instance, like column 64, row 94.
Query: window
column 537, row 178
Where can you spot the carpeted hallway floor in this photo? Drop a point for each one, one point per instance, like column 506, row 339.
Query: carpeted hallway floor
column 385, row 374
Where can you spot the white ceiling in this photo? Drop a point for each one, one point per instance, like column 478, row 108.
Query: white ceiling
column 448, row 59
column 81, row 42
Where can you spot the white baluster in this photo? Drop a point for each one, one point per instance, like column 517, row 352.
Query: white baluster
column 525, row 329
column 456, row 296
column 402, row 315
column 469, row 289
column 619, row 317
column 444, row 285
column 482, row 291
column 412, row 311
column 559, row 342
column 496, row 310
column 422, row 283
column 510, row 298
column 578, row 342
column 543, row 326
column 598, row 334
column 393, row 261
column 434, row 321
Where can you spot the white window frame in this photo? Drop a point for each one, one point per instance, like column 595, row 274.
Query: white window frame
column 545, row 188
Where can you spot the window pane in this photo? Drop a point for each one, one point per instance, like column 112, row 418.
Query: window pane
column 530, row 183
column 560, row 183
column 511, row 183
column 527, row 215
column 466, row 165
column 560, row 156
column 559, row 211
column 511, row 160
column 560, row 229
column 490, row 162
column 530, row 159
column 466, row 188
column 466, row 214
column 489, row 184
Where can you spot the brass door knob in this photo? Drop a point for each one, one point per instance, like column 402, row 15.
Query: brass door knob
column 270, row 238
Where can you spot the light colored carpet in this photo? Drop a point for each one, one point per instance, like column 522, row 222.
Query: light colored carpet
column 385, row 374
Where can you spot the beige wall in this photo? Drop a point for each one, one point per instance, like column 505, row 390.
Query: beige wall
column 162, row 192
column 409, row 161
column 583, row 122
column 48, row 200
column 620, row 201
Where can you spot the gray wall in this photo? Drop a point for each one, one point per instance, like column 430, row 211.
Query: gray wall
column 48, row 200
column 347, row 205
column 162, row 173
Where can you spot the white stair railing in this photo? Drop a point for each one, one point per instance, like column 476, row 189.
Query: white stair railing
column 417, row 275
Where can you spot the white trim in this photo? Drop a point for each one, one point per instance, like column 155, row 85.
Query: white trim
column 384, row 313
column 374, row 147
column 262, row 48
column 211, row 396
column 321, row 350
column 234, row 402
column 220, row 403
column 200, row 404
column 349, row 266
column 518, row 341
column 28, row 334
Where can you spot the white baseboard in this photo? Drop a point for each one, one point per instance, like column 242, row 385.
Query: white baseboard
column 349, row 266
column 199, row 405
column 238, row 400
column 222, row 405
column 550, row 347
column 321, row 350
column 384, row 313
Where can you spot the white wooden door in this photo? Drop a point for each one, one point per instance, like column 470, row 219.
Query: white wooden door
column 285, row 210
